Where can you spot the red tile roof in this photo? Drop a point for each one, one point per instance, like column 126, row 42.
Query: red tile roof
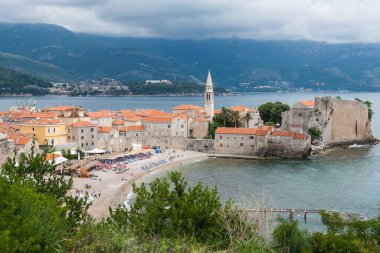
column 58, row 108
column 20, row 140
column 239, row 108
column 283, row 133
column 104, row 129
column 100, row 114
column 233, row 130
column 132, row 129
column 157, row 119
column 133, row 119
column 83, row 124
column 43, row 121
column 188, row 107
column 299, row 136
column 118, row 122
column 308, row 103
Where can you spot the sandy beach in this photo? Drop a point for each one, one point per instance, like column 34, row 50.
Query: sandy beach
column 114, row 187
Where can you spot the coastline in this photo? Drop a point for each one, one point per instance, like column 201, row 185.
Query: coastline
column 114, row 189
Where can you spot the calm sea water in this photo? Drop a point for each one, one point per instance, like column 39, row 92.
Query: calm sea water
column 345, row 179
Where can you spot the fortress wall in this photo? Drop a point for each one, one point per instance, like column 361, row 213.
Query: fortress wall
column 287, row 147
column 201, row 145
column 296, row 117
column 344, row 121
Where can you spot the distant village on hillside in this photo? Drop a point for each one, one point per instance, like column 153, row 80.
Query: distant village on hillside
column 185, row 127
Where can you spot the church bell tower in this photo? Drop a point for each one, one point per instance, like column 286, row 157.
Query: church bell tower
column 209, row 97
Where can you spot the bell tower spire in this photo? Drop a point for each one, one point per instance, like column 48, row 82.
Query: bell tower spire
column 209, row 97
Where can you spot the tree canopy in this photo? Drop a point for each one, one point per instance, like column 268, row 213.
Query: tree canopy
column 271, row 112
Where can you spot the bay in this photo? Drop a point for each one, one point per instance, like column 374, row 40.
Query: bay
column 344, row 179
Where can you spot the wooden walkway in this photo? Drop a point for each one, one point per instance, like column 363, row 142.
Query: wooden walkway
column 277, row 210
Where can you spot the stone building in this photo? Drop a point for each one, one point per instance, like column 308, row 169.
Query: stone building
column 240, row 141
column 199, row 128
column 297, row 119
column 179, row 126
column 157, row 126
column 6, row 147
column 340, row 121
column 50, row 131
column 82, row 134
column 72, row 115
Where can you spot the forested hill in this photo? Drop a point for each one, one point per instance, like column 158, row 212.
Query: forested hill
column 235, row 63
column 12, row 82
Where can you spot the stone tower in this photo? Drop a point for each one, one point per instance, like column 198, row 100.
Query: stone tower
column 209, row 97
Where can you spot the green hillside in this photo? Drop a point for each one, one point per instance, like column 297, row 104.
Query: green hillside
column 43, row 70
column 12, row 82
column 238, row 64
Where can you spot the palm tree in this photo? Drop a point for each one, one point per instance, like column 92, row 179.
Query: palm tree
column 235, row 116
column 225, row 114
column 247, row 117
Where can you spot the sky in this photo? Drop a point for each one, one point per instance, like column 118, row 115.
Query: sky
column 335, row 21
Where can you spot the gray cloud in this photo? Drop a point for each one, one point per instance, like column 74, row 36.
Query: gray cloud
column 322, row 20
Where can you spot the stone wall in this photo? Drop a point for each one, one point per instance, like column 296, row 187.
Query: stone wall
column 287, row 147
column 296, row 118
column 201, row 145
column 6, row 149
column 341, row 121
column 124, row 143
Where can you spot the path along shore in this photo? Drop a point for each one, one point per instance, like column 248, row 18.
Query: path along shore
column 114, row 187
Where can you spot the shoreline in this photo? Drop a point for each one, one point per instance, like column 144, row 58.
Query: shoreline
column 114, row 189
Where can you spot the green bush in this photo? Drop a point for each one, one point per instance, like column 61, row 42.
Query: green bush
column 29, row 221
column 314, row 133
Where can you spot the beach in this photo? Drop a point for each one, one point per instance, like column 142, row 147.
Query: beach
column 111, row 188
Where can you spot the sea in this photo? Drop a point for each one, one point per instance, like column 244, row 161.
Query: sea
column 345, row 180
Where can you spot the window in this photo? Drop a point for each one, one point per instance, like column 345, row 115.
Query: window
column 54, row 129
column 220, row 137
column 168, row 126
column 49, row 130
column 137, row 134
column 92, row 136
column 241, row 144
column 182, row 126
column 82, row 138
column 68, row 137
column 33, row 129
column 82, row 145
column 234, row 138
column 73, row 137
column 92, row 130
column 92, row 143
column 251, row 137
column 69, row 130
column 81, row 130
column 86, row 143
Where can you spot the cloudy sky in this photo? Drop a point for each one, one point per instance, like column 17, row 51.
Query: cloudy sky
column 322, row 20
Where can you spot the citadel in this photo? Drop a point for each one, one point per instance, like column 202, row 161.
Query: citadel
column 339, row 122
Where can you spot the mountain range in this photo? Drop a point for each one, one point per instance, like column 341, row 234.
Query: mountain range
column 54, row 53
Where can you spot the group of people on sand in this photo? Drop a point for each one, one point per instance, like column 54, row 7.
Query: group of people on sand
column 149, row 166
column 81, row 194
